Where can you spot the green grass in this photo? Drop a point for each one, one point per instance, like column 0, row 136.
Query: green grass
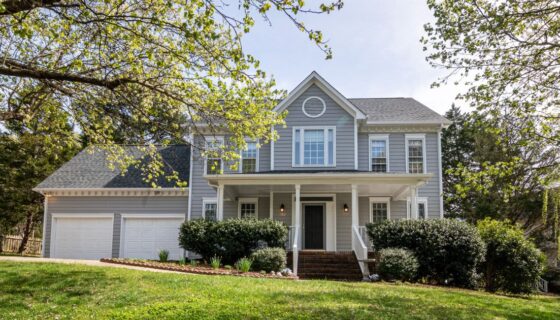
column 61, row 291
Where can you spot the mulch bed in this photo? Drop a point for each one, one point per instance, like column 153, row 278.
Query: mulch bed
column 190, row 269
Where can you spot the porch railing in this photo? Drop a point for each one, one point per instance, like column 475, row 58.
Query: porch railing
column 361, row 250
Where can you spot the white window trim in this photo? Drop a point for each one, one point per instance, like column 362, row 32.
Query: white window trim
column 317, row 115
column 216, row 138
column 379, row 137
column 206, row 201
column 301, row 147
column 241, row 201
column 257, row 159
column 419, row 200
column 422, row 137
column 373, row 200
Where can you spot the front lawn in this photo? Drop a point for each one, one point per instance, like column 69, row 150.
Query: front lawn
column 61, row 291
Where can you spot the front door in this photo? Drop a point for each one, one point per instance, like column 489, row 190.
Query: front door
column 314, row 226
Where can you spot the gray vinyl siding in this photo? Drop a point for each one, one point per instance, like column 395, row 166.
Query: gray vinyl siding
column 115, row 205
column 431, row 189
column 264, row 208
column 286, row 199
column 199, row 186
column 343, row 222
column 333, row 116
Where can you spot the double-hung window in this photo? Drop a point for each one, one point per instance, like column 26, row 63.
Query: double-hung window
column 248, row 207
column 213, row 161
column 379, row 209
column 422, row 208
column 314, row 147
column 416, row 153
column 249, row 158
column 379, row 153
column 210, row 209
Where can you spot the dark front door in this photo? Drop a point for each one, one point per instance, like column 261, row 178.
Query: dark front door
column 313, row 221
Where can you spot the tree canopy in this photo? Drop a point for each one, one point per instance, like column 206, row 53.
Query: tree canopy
column 159, row 68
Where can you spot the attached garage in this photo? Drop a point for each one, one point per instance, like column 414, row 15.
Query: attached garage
column 144, row 236
column 82, row 236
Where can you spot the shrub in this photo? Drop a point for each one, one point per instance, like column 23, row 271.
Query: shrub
column 513, row 263
column 231, row 239
column 243, row 265
column 448, row 251
column 397, row 264
column 269, row 259
column 215, row 262
column 163, row 255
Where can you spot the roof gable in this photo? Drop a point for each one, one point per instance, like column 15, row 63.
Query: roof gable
column 315, row 79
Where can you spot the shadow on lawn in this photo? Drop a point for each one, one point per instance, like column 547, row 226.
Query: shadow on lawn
column 45, row 284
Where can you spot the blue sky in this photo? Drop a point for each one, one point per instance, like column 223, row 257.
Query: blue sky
column 376, row 47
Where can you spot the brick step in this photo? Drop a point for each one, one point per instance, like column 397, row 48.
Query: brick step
column 330, row 276
column 327, row 266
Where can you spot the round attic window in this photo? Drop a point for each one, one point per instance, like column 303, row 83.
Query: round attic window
column 314, row 107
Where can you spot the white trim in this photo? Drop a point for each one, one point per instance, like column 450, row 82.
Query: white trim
column 315, row 78
column 330, row 217
column 45, row 213
column 272, row 151
column 302, row 129
column 417, row 136
column 54, row 216
column 317, row 115
column 241, row 201
column 356, row 144
column 440, row 176
column 209, row 201
column 112, row 192
column 191, row 165
column 386, row 200
column 379, row 137
column 271, row 206
column 206, row 140
column 256, row 159
column 419, row 200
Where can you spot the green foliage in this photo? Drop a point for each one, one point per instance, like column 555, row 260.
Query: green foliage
column 397, row 264
column 182, row 261
column 448, row 251
column 215, row 262
column 231, row 239
column 513, row 263
column 193, row 263
column 243, row 265
column 228, row 267
column 269, row 259
column 163, row 255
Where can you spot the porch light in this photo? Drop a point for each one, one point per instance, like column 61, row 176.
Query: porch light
column 345, row 208
column 282, row 209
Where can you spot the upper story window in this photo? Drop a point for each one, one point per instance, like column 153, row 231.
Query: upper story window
column 416, row 153
column 379, row 209
column 314, row 147
column 214, row 164
column 379, row 153
column 249, row 158
column 248, row 207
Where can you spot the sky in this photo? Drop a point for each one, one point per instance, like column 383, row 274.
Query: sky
column 376, row 51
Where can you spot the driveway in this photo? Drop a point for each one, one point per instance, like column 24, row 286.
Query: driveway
column 84, row 262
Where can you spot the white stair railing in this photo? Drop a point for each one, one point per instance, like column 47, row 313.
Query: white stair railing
column 361, row 250
column 295, row 252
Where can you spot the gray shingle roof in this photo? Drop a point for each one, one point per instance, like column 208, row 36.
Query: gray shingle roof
column 397, row 110
column 89, row 170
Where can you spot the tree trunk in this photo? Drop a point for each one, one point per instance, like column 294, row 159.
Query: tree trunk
column 26, row 231
column 1, row 242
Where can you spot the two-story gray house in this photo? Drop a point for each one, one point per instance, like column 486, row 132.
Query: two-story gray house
column 338, row 164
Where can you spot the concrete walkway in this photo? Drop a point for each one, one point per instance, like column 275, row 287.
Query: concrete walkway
column 95, row 263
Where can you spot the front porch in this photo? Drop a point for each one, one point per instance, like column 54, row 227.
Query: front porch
column 324, row 211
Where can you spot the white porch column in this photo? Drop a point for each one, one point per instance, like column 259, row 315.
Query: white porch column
column 355, row 219
column 220, row 216
column 298, row 208
column 413, row 203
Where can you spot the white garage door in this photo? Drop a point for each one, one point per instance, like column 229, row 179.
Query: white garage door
column 82, row 237
column 145, row 237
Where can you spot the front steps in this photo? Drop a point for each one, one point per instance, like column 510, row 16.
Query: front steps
column 327, row 265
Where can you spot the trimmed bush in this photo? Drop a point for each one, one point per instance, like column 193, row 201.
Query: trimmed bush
column 231, row 239
column 397, row 264
column 269, row 259
column 513, row 263
column 448, row 251
column 163, row 255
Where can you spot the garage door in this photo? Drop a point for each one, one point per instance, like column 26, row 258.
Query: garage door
column 82, row 237
column 145, row 237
